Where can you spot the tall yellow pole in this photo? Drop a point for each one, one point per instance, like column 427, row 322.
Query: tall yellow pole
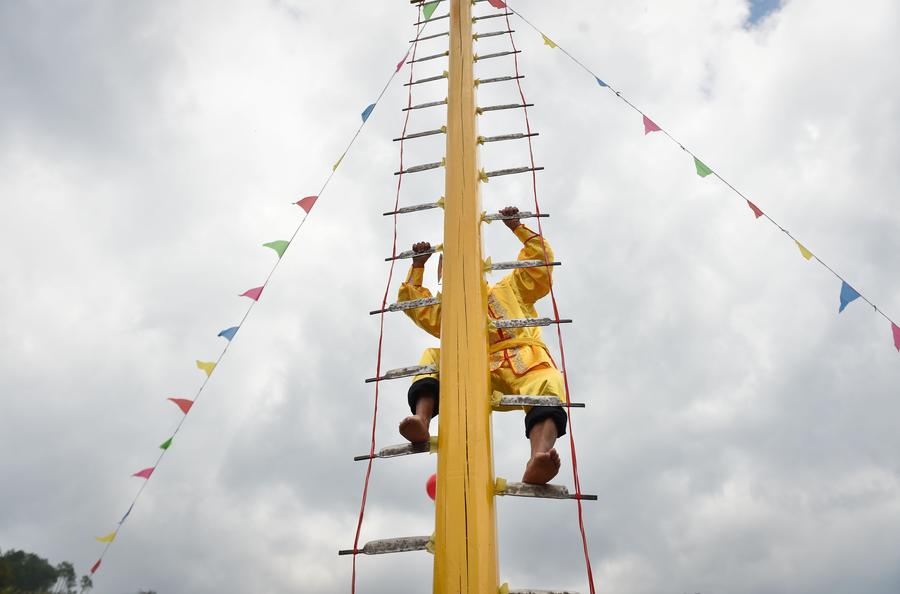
column 465, row 521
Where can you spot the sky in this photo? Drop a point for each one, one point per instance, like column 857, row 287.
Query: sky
column 739, row 432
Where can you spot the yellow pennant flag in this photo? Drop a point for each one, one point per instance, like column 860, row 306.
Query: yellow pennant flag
column 108, row 538
column 206, row 366
column 805, row 252
column 338, row 164
column 548, row 41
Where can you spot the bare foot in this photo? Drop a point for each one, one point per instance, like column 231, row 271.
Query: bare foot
column 542, row 468
column 414, row 429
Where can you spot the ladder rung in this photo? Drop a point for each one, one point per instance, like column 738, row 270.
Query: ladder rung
column 412, row 253
column 530, row 591
column 442, row 130
column 524, row 400
column 542, row 492
column 404, row 372
column 513, row 171
column 417, row 208
column 485, row 81
column 425, row 80
column 426, row 58
column 418, row 168
column 435, row 36
column 491, row 16
column 502, row 137
column 526, row 323
column 437, row 18
column 496, row 55
column 405, row 449
column 519, row 215
column 424, row 105
column 522, row 264
column 405, row 305
column 391, row 545
column 478, row 36
column 481, row 110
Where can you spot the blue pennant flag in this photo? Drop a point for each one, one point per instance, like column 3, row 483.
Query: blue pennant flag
column 229, row 333
column 848, row 294
column 367, row 112
column 601, row 83
column 126, row 514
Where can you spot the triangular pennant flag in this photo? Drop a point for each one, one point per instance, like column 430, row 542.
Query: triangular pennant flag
column 803, row 251
column 548, row 41
column 229, row 333
column 253, row 293
column 166, row 444
column 402, row 62
column 279, row 246
column 429, row 8
column 367, row 112
column 338, row 164
column 128, row 513
column 308, row 202
column 650, row 126
column 206, row 366
column 183, row 403
column 702, row 169
column 600, row 82
column 497, row 3
column 848, row 294
column 144, row 473
column 95, row 567
column 108, row 538
column 755, row 209
column 896, row 330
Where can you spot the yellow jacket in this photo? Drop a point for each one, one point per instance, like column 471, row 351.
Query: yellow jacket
column 520, row 349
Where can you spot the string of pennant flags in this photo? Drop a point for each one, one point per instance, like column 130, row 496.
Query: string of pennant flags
column 848, row 293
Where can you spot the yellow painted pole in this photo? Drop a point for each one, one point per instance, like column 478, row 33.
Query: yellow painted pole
column 465, row 521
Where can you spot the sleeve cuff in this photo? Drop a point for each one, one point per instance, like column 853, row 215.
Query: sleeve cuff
column 524, row 233
column 415, row 276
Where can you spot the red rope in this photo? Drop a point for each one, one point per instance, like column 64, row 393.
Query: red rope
column 562, row 351
column 387, row 288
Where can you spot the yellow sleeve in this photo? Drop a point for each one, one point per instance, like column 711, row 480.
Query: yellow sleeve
column 426, row 318
column 532, row 283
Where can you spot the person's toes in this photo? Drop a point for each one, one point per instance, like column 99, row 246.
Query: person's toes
column 540, row 469
column 414, row 429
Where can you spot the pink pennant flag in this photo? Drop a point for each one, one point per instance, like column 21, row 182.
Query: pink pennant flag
column 497, row 3
column 307, row 203
column 755, row 209
column 650, row 126
column 253, row 293
column 402, row 62
column 95, row 567
column 144, row 473
column 183, row 403
column 896, row 331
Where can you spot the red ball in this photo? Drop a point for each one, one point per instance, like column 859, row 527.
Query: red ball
column 431, row 486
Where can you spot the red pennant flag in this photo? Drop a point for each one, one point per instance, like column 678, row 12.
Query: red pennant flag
column 497, row 3
column 95, row 567
column 307, row 203
column 755, row 209
column 896, row 331
column 402, row 62
column 183, row 403
column 650, row 126
column 144, row 473
column 253, row 293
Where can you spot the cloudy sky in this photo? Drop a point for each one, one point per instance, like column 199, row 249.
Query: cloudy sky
column 740, row 433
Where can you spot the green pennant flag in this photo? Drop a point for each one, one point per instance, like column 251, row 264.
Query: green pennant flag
column 279, row 246
column 702, row 169
column 429, row 9
column 165, row 445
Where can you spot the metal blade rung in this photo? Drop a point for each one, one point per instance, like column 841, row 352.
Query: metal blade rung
column 526, row 323
column 404, row 449
column 514, row 171
column 502, row 137
column 491, row 16
column 522, row 264
column 422, row 134
column 518, row 215
column 478, row 36
column 391, row 545
column 405, row 305
column 404, row 372
column 418, row 168
column 425, row 105
column 482, row 110
column 418, row 207
column 412, row 254
column 542, row 492
column 524, row 400
column 437, row 18
column 425, row 80
column 497, row 55
column 497, row 79
column 435, row 36
column 426, row 58
column 530, row 591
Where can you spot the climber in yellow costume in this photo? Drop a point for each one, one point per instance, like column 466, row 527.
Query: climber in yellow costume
column 519, row 361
